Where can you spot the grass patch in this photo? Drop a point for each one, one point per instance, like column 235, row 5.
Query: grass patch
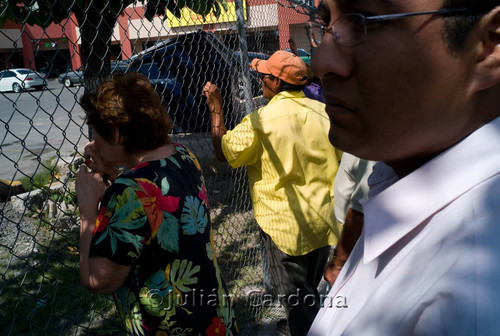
column 41, row 292
column 46, row 176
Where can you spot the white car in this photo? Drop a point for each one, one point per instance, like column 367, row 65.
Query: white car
column 18, row 80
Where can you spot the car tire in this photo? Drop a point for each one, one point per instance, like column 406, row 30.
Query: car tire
column 238, row 89
column 17, row 88
column 67, row 82
column 39, row 87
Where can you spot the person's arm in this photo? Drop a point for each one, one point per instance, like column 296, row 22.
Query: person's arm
column 217, row 125
column 350, row 234
column 98, row 274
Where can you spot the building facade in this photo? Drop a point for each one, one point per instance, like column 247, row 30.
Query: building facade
column 269, row 26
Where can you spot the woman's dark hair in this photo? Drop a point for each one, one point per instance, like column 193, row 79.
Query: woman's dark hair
column 130, row 104
column 458, row 27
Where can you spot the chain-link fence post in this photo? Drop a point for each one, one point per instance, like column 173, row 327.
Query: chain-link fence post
column 245, row 73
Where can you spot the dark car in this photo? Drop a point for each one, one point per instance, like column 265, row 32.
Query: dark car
column 53, row 71
column 254, row 79
column 71, row 78
column 180, row 67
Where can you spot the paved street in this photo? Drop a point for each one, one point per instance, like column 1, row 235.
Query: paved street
column 36, row 125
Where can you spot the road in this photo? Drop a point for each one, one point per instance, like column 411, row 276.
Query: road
column 38, row 125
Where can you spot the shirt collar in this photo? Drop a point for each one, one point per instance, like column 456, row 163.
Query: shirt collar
column 287, row 95
column 397, row 209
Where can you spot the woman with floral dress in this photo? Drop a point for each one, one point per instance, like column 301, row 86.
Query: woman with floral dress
column 146, row 236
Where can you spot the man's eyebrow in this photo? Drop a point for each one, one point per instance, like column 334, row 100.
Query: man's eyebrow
column 354, row 5
column 383, row 4
column 322, row 6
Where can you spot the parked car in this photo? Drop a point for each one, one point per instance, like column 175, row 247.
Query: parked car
column 180, row 67
column 53, row 71
column 71, row 78
column 18, row 80
column 254, row 78
column 303, row 54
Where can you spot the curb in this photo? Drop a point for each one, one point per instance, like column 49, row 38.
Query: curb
column 9, row 189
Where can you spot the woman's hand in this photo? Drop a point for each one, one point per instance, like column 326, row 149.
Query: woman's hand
column 89, row 190
column 94, row 161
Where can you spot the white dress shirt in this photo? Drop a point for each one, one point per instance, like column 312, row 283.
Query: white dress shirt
column 428, row 261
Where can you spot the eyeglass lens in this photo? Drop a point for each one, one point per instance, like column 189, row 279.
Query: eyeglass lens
column 315, row 32
column 348, row 30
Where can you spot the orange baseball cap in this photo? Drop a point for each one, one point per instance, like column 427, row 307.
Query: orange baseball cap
column 284, row 65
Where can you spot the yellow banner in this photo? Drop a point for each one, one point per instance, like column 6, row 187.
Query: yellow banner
column 190, row 18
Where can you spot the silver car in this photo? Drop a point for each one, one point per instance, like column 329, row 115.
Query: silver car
column 71, row 78
column 18, row 80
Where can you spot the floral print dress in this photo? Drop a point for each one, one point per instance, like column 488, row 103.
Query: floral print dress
column 155, row 218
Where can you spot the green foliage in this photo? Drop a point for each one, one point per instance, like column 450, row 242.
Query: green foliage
column 34, row 182
column 59, row 196
column 41, row 179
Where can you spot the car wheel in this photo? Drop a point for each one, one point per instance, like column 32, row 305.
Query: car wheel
column 68, row 82
column 16, row 88
column 239, row 89
column 39, row 87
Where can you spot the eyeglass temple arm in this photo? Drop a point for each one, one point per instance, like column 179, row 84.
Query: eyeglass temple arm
column 445, row 11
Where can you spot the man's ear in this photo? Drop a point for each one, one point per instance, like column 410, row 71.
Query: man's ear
column 276, row 84
column 488, row 61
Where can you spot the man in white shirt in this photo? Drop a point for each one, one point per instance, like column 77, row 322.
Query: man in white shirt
column 416, row 84
column 350, row 188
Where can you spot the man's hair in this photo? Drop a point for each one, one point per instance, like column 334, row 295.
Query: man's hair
column 458, row 27
column 290, row 87
column 130, row 104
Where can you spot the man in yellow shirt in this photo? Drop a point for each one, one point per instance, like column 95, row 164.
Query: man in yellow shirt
column 291, row 168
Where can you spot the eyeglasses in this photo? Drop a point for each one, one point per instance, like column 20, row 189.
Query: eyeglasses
column 262, row 76
column 349, row 30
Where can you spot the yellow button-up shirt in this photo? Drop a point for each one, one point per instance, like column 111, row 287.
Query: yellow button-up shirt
column 291, row 169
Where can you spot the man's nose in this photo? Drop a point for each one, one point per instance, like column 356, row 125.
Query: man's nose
column 329, row 59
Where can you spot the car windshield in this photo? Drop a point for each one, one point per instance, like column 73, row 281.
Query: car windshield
column 302, row 52
column 23, row 71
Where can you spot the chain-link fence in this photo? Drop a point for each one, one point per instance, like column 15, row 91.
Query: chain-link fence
column 50, row 52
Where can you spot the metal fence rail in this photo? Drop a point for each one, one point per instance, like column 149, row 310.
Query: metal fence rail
column 43, row 132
